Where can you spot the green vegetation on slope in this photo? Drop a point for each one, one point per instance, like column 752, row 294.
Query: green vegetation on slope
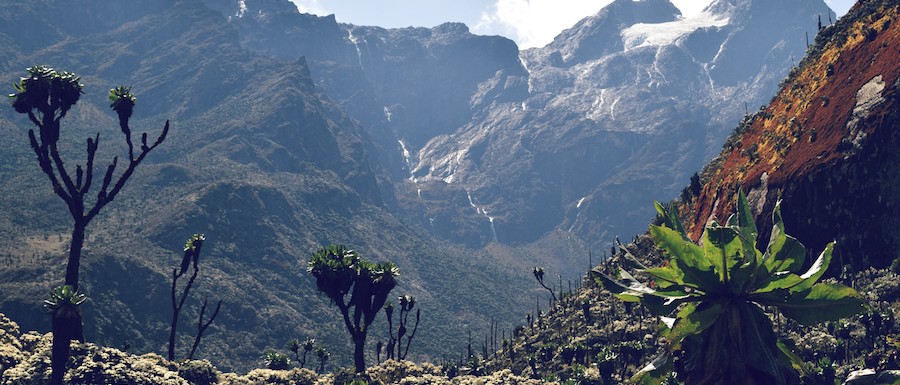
column 718, row 289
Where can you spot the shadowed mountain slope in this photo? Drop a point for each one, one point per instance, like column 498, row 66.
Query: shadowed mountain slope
column 258, row 159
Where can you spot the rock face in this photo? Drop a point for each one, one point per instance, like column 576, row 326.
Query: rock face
column 485, row 143
column 825, row 145
column 619, row 111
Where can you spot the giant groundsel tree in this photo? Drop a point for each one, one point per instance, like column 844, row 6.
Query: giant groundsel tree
column 46, row 96
column 717, row 290
column 340, row 272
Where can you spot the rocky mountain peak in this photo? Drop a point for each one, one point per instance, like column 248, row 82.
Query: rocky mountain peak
column 590, row 38
column 250, row 8
column 452, row 27
column 637, row 88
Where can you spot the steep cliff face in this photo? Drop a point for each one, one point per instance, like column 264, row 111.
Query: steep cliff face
column 488, row 144
column 826, row 144
column 620, row 109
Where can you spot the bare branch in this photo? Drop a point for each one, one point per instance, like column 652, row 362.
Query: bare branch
column 176, row 308
column 91, row 151
column 123, row 124
column 201, row 326
column 413, row 334
column 47, row 167
column 111, row 194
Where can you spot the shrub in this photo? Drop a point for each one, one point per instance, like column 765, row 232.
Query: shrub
column 276, row 361
column 198, row 372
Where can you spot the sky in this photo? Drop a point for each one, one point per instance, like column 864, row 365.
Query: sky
column 530, row 23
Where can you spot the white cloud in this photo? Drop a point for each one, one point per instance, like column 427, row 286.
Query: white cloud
column 691, row 7
column 310, row 6
column 534, row 23
column 840, row 7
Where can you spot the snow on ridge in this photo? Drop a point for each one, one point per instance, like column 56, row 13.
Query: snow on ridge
column 525, row 66
column 242, row 8
column 659, row 34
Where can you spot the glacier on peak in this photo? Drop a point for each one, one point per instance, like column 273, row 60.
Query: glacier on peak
column 667, row 33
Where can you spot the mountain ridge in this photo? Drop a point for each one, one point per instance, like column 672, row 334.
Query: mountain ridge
column 834, row 118
column 273, row 155
column 259, row 160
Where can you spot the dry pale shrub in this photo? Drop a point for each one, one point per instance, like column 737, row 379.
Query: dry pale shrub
column 10, row 346
column 392, row 371
column 90, row 364
column 9, row 332
column 34, row 367
column 425, row 379
column 267, row 376
column 504, row 376
column 198, row 372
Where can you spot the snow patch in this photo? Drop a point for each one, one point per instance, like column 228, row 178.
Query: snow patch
column 612, row 108
column 525, row 66
column 597, row 107
column 484, row 212
column 355, row 41
column 407, row 157
column 577, row 206
column 659, row 34
column 658, row 71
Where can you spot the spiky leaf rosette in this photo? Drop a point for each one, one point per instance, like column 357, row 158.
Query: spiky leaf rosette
column 62, row 296
column 334, row 268
column 716, row 291
column 47, row 91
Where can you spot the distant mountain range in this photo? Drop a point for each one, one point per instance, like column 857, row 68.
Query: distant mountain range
column 485, row 143
column 458, row 157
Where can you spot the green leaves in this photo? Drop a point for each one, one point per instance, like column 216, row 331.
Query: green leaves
column 276, row 361
column 194, row 242
column 191, row 252
column 784, row 251
column 693, row 319
column 340, row 271
column 335, row 268
column 64, row 296
column 122, row 101
column 655, row 371
column 717, row 289
column 47, row 91
column 688, row 259
column 822, row 302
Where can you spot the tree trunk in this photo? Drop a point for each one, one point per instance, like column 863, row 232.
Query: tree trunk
column 359, row 354
column 59, row 355
column 66, row 323
column 75, row 253
column 171, row 352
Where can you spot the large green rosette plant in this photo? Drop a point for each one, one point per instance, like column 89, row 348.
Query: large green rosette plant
column 717, row 291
